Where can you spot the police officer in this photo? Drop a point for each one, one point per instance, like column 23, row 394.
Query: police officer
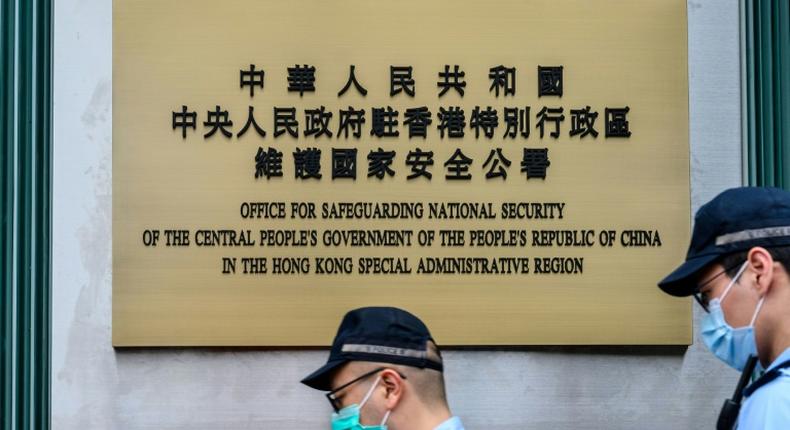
column 384, row 371
column 738, row 269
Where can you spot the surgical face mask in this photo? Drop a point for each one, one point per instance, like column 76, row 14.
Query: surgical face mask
column 348, row 417
column 731, row 345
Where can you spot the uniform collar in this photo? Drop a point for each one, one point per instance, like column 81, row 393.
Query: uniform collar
column 781, row 359
column 453, row 423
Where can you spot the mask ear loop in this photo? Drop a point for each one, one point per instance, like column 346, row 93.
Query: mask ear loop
column 367, row 397
column 386, row 416
column 370, row 392
column 757, row 311
column 734, row 280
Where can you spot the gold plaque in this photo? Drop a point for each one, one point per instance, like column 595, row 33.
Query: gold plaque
column 519, row 175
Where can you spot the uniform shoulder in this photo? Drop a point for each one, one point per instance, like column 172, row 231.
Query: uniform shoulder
column 775, row 394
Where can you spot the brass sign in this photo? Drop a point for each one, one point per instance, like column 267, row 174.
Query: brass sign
column 513, row 172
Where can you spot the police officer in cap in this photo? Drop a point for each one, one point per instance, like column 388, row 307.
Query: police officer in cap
column 384, row 371
column 738, row 269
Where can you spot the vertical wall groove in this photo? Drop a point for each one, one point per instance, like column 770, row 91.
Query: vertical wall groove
column 783, row 85
column 766, row 45
column 44, row 220
column 25, row 250
column 7, row 115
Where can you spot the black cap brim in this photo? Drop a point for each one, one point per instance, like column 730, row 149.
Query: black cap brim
column 680, row 283
column 321, row 379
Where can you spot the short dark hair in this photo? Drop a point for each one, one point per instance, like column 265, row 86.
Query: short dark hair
column 732, row 262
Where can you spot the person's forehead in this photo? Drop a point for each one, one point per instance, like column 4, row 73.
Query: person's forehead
column 342, row 375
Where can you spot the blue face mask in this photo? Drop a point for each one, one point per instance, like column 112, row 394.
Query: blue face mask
column 731, row 345
column 348, row 417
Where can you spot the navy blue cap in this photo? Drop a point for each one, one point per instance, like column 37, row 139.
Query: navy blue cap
column 378, row 334
column 734, row 221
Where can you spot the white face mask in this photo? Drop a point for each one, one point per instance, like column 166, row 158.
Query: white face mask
column 731, row 345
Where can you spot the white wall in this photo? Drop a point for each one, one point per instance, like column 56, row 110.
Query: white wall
column 95, row 387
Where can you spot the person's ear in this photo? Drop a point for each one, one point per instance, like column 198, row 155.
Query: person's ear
column 762, row 265
column 394, row 385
